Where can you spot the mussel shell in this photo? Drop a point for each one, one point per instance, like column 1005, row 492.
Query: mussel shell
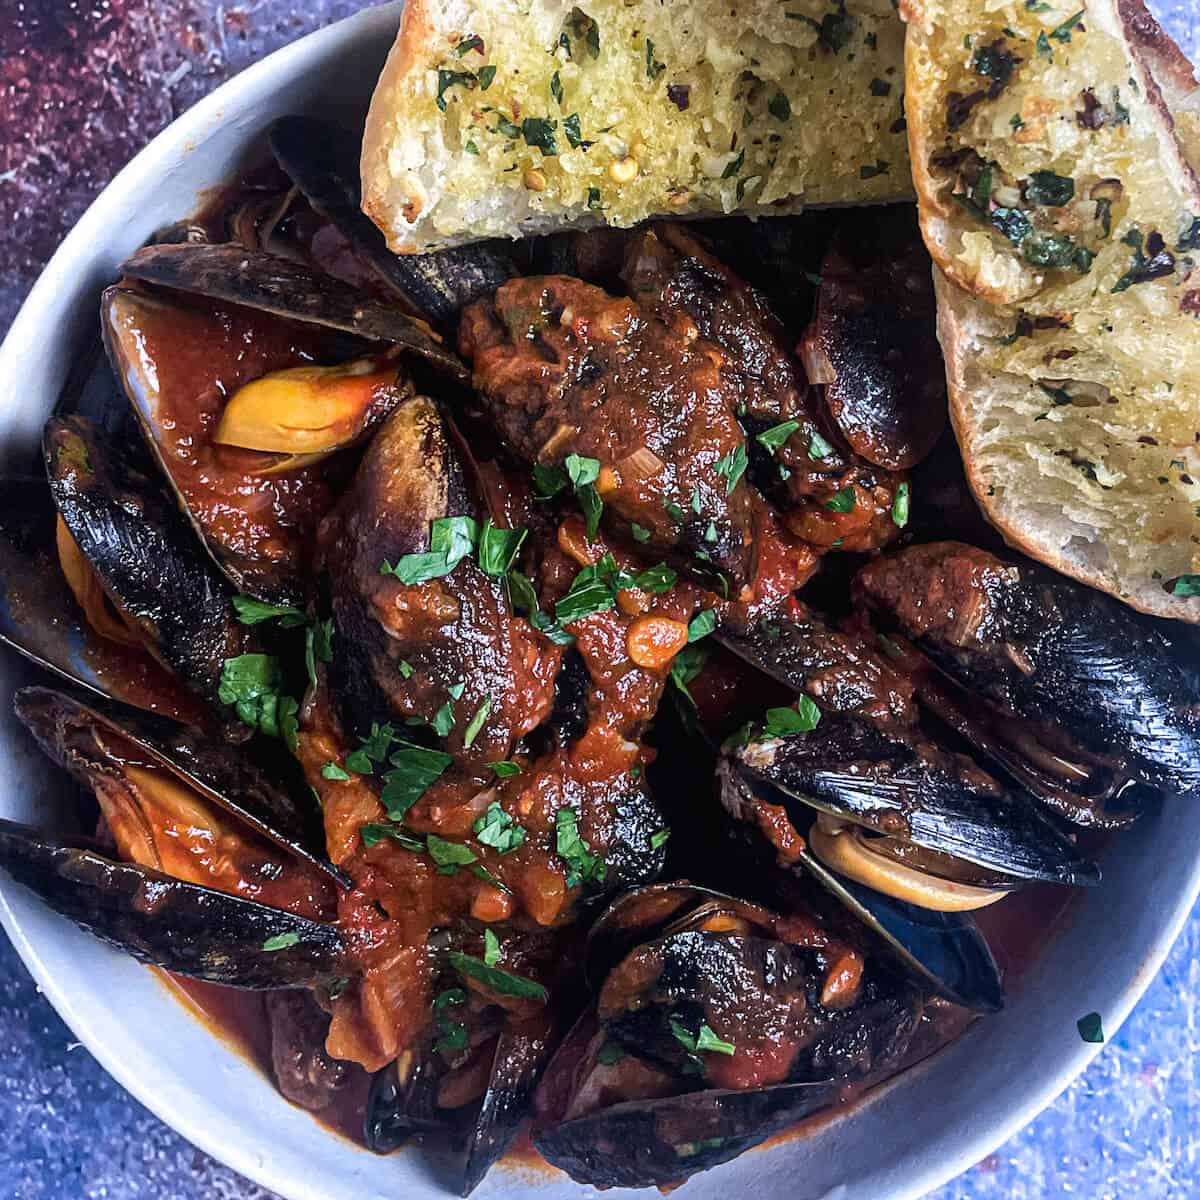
column 944, row 950
column 1049, row 650
column 72, row 733
column 940, row 801
column 180, row 927
column 40, row 618
column 653, row 1143
column 287, row 289
column 141, row 546
column 321, row 160
column 875, row 326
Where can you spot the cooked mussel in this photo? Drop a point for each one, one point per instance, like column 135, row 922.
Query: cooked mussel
column 165, row 922
column 909, row 790
column 707, row 1036
column 1082, row 701
column 321, row 160
column 96, row 739
column 41, row 617
column 286, row 289
column 140, row 546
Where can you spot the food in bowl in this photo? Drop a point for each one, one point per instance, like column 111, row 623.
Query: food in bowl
column 515, row 635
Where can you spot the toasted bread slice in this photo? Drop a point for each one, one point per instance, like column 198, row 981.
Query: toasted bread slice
column 502, row 118
column 1064, row 219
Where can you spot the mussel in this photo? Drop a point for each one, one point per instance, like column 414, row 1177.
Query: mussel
column 139, row 545
column 720, row 1023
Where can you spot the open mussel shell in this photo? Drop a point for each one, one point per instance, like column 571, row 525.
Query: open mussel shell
column 96, row 736
column 142, row 548
column 321, row 160
column 944, row 950
column 1051, row 651
column 40, row 618
column 403, row 1103
column 931, row 798
column 180, row 927
column 657, row 1142
column 287, row 289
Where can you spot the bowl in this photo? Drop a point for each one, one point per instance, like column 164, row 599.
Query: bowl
column 914, row 1134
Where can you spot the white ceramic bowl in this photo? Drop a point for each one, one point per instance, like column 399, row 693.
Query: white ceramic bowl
column 927, row 1127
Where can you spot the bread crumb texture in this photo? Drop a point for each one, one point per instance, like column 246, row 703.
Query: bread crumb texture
column 511, row 117
column 1055, row 198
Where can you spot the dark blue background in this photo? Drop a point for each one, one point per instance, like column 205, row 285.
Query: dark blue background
column 1128, row 1129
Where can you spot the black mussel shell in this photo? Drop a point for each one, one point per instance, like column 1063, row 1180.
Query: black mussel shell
column 919, row 793
column 40, row 618
column 653, row 1143
column 180, row 927
column 79, row 736
column 132, row 533
column 322, row 160
column 287, row 289
column 1050, row 651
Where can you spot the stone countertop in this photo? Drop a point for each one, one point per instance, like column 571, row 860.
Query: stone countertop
column 1127, row 1128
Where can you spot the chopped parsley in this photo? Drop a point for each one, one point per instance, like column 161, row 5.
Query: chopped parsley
column 476, row 724
column 498, row 548
column 485, row 77
column 594, row 589
column 775, row 437
column 687, row 665
column 491, row 948
column 900, row 505
column 415, row 769
column 658, row 838
column 448, row 79
column 573, row 131
column 834, row 29
column 495, row 828
column 780, row 107
column 523, row 597
column 653, row 67
column 443, row 720
column 583, row 473
column 556, row 88
column 734, row 165
column 582, row 865
column 503, row 983
column 705, row 1040
column 451, row 539
column 593, row 200
column 539, row 133
column 374, row 833
column 1048, row 190
column 505, row 769
column 467, row 44
column 251, row 684
column 784, row 722
column 843, row 500
column 1091, row 1028
column 583, row 29
column 1186, row 585
column 281, row 941
column 640, row 534
column 252, row 612
column 1153, row 262
column 449, row 856
column 331, row 770
column 732, row 466
column 318, row 647
column 818, row 447
column 702, row 624
column 548, row 481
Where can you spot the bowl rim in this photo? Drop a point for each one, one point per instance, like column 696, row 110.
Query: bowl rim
column 43, row 304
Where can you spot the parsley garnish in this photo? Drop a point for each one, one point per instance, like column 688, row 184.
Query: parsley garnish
column 1091, row 1028
column 784, row 722
column 556, row 88
column 415, row 770
column 775, row 437
column 734, row 165
column 687, row 664
column 449, row 856
column 653, row 67
column 505, row 769
column 503, row 983
column 467, row 44
column 702, row 624
column 639, row 533
column 281, row 941
column 818, row 447
column 583, row 865
column 843, row 500
column 372, row 834
column 331, row 770
column 573, row 131
column 476, row 724
column 596, row 586
column 498, row 548
column 732, row 466
column 451, row 539
column 251, row 612
column 539, row 132
column 658, row 838
column 251, row 684
column 706, row 1039
column 448, row 79
column 522, row 596
column 583, row 473
column 1186, row 585
column 1048, row 190
column 498, row 830
column 900, row 505
column 780, row 107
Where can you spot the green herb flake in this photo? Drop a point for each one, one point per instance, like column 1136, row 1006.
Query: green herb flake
column 448, row 79
column 1091, row 1028
column 819, row 448
column 250, row 684
column 653, row 67
column 443, row 720
column 498, row 548
column 503, row 983
column 732, row 466
column 780, row 107
column 252, row 612
column 486, row 76
column 593, row 199
column 505, row 769
column 1186, row 585
column 415, row 770
column 707, row 1040
column 658, row 838
column 467, row 44
column 573, row 131
column 734, row 165
column 495, row 828
column 1048, row 190
column 843, row 500
column 449, row 856
column 471, row 148
column 331, row 770
column 609, row 1053
column 784, row 722
column 556, row 88
column 1062, row 33
column 451, row 540
column 375, row 832
column 687, row 665
column 281, row 941
column 702, row 624
column 548, row 481
column 539, row 133
column 640, row 534
column 777, row 435
column 900, row 505
column 583, row 866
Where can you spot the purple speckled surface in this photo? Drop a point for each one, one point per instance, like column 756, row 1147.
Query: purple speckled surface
column 83, row 85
